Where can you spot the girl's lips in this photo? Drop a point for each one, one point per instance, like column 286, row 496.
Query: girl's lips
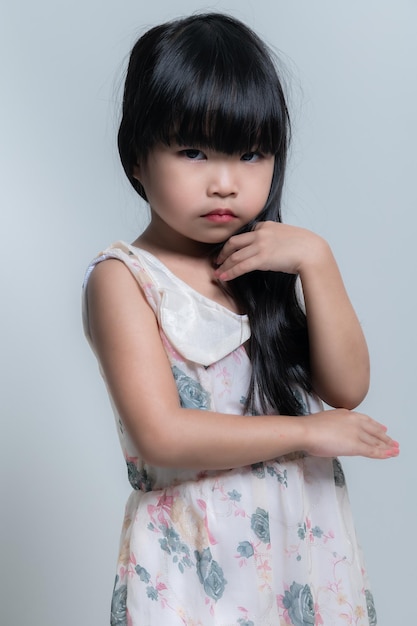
column 220, row 215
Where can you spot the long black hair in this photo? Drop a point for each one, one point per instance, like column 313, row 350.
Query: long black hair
column 209, row 81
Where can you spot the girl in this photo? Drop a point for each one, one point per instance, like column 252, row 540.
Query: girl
column 218, row 332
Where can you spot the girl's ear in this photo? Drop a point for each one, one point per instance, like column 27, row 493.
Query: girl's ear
column 136, row 172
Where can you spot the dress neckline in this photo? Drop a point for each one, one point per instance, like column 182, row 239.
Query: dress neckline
column 136, row 249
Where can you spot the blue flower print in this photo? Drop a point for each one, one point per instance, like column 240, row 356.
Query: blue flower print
column 300, row 606
column 371, row 608
column 191, row 393
column 142, row 573
column 234, row 495
column 317, row 532
column 172, row 544
column 339, row 477
column 139, row 479
column 258, row 469
column 280, row 475
column 210, row 574
column 260, row 525
column 152, row 593
column 118, row 605
column 245, row 549
column 301, row 532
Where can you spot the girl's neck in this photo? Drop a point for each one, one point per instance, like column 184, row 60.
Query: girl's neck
column 164, row 243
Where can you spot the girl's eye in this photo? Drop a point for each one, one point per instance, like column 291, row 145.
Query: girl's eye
column 251, row 156
column 193, row 154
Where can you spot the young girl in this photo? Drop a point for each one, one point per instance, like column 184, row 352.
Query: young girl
column 218, row 332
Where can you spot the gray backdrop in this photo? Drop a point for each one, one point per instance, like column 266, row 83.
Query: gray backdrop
column 352, row 178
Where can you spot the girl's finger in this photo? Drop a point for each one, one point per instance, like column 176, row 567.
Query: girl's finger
column 235, row 243
column 380, row 431
column 244, row 266
column 238, row 256
column 380, row 441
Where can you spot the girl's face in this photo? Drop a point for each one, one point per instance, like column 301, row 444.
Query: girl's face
column 201, row 195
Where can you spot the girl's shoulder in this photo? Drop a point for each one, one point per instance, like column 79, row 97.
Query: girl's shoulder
column 136, row 260
column 150, row 273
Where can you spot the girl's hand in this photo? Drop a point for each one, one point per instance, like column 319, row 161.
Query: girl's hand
column 270, row 246
column 347, row 433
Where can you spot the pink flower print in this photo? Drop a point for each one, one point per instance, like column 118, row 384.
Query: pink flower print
column 203, row 507
column 122, row 572
column 169, row 348
column 264, row 570
column 226, row 380
column 284, row 615
column 149, row 292
column 163, row 507
column 318, row 618
column 245, row 619
column 237, row 354
column 131, row 565
column 161, row 586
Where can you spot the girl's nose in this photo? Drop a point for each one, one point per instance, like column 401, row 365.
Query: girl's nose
column 222, row 181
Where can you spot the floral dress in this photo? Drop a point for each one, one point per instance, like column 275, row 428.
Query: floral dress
column 270, row 544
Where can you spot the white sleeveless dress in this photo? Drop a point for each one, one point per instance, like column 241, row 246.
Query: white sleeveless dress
column 270, row 544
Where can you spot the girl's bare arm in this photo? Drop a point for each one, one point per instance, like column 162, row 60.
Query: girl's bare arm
column 338, row 350
column 126, row 338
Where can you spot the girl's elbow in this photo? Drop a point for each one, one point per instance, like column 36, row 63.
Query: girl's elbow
column 158, row 446
column 344, row 393
column 346, row 398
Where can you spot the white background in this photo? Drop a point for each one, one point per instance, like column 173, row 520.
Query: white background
column 63, row 197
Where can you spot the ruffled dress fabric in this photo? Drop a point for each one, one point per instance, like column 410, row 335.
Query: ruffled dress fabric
column 270, row 544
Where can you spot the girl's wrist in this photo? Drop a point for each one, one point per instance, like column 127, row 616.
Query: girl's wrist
column 318, row 257
column 296, row 431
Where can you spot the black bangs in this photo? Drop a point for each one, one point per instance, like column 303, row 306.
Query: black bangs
column 220, row 97
column 205, row 81
column 229, row 120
